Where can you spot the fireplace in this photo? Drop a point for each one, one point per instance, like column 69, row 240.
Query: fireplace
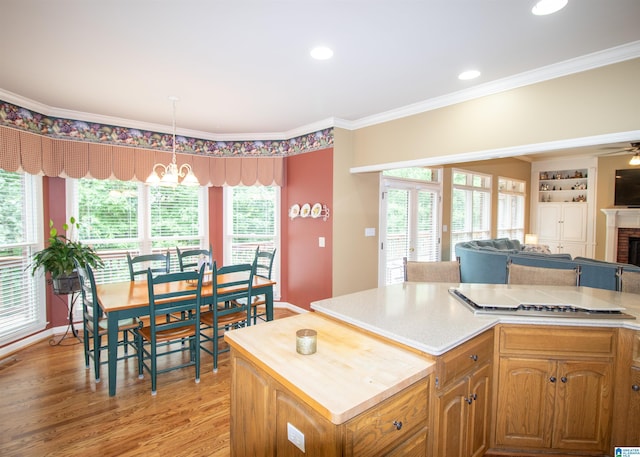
column 628, row 246
column 623, row 225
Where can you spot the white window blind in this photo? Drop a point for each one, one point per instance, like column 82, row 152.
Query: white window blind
column 22, row 306
column 252, row 215
column 117, row 217
column 470, row 207
column 511, row 206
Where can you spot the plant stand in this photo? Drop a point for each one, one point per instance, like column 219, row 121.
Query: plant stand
column 68, row 285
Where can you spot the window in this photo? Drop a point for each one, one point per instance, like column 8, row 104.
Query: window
column 252, row 219
column 511, row 198
column 117, row 217
column 470, row 207
column 22, row 302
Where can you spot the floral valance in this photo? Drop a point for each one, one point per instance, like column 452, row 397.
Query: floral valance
column 32, row 153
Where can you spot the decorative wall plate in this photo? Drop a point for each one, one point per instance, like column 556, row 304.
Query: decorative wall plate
column 294, row 211
column 316, row 210
column 305, row 210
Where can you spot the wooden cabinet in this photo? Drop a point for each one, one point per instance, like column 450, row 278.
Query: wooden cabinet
column 555, row 388
column 562, row 206
column 563, row 227
column 627, row 416
column 264, row 413
column 463, row 399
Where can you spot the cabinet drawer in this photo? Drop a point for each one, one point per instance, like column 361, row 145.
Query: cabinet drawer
column 557, row 341
column 375, row 429
column 464, row 359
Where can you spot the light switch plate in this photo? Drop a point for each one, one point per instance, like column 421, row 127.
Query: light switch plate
column 370, row 231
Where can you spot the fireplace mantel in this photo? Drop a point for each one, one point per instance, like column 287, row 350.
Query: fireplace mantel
column 618, row 218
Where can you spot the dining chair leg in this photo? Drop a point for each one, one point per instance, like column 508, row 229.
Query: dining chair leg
column 85, row 338
column 154, row 372
column 97, row 344
column 140, row 355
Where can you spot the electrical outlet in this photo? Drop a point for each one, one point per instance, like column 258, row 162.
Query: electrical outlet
column 295, row 436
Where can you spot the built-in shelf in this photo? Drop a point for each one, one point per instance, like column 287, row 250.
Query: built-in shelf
column 563, row 185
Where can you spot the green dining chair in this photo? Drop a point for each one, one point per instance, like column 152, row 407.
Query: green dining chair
column 163, row 337
column 263, row 267
column 95, row 325
column 229, row 310
column 138, row 265
column 189, row 258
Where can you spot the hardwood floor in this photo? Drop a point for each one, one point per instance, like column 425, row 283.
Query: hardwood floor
column 50, row 406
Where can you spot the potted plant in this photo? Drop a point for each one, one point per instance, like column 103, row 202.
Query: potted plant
column 60, row 256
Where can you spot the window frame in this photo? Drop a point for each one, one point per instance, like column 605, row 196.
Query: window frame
column 469, row 187
column 143, row 241
column 518, row 191
column 227, row 224
column 33, row 225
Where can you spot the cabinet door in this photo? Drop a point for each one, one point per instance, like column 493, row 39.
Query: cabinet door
column 583, row 406
column 251, row 434
column 452, row 421
column 320, row 435
column 525, row 402
column 574, row 222
column 479, row 413
column 633, row 414
column 549, row 217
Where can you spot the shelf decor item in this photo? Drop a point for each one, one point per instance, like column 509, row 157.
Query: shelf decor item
column 60, row 256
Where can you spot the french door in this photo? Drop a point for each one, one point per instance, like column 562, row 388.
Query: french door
column 410, row 215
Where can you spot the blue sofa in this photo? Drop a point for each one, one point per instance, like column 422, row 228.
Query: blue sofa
column 485, row 261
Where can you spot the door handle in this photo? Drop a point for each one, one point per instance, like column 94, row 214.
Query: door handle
column 552, row 379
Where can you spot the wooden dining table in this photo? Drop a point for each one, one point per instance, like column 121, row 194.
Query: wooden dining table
column 130, row 299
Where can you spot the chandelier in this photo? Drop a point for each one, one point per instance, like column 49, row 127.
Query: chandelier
column 170, row 175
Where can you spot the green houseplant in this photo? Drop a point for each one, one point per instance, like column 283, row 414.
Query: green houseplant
column 59, row 257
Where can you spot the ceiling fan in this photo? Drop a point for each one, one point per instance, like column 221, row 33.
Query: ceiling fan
column 634, row 149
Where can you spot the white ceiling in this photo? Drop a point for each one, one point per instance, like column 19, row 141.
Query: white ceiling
column 241, row 68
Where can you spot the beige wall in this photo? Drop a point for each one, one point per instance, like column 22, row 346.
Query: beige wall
column 355, row 207
column 604, row 198
column 599, row 101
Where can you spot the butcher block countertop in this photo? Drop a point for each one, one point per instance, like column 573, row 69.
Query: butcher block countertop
column 350, row 372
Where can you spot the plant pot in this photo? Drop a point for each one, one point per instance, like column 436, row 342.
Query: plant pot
column 65, row 285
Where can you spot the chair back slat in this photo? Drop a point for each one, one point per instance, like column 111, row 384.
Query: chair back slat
column 164, row 299
column 263, row 262
column 138, row 265
column 188, row 259
column 226, row 279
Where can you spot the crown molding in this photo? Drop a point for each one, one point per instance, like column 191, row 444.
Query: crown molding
column 591, row 61
column 579, row 64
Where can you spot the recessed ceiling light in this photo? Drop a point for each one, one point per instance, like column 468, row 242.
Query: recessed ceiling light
column 321, row 53
column 469, row 74
column 544, row 7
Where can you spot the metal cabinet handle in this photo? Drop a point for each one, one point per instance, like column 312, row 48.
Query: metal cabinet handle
column 397, row 424
column 474, row 357
column 468, row 400
column 635, row 388
column 552, row 379
column 563, row 379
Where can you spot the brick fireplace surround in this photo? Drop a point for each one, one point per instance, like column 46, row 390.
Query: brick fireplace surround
column 622, row 224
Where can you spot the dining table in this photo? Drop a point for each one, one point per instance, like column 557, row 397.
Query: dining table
column 130, row 299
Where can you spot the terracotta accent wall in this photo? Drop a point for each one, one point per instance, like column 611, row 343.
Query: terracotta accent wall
column 306, row 267
column 54, row 197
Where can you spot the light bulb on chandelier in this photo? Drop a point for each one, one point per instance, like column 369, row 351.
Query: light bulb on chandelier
column 169, row 175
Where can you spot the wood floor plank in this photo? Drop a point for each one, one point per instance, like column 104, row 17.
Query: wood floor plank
column 51, row 406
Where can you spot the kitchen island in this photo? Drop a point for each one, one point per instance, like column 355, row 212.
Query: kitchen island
column 461, row 360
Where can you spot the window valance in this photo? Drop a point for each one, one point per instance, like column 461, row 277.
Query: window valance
column 37, row 154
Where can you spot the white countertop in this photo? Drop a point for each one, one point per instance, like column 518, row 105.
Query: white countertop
column 425, row 316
